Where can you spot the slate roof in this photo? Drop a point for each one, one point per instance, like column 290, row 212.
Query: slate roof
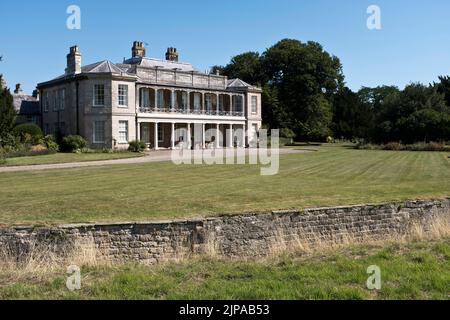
column 128, row 68
column 25, row 104
column 163, row 64
column 104, row 66
column 240, row 84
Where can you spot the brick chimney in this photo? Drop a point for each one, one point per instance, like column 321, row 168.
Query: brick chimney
column 18, row 89
column 172, row 54
column 73, row 61
column 138, row 49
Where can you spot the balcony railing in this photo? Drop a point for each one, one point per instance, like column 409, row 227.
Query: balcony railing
column 192, row 112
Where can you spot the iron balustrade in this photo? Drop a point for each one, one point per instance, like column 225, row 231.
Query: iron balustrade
column 192, row 111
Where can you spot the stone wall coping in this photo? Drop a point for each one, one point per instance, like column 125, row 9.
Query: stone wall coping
column 200, row 220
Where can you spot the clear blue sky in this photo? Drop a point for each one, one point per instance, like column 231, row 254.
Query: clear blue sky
column 413, row 45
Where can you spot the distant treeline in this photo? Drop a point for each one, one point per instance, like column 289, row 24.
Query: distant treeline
column 304, row 90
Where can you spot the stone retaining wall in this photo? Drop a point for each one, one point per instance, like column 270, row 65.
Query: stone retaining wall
column 242, row 236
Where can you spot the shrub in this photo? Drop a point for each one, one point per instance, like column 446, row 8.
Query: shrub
column 367, row 146
column 394, row 146
column 2, row 159
column 289, row 136
column 136, row 146
column 50, row 143
column 28, row 133
column 431, row 146
column 330, row 139
column 73, row 143
column 287, row 133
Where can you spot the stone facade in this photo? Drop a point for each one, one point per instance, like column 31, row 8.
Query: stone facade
column 158, row 93
column 239, row 236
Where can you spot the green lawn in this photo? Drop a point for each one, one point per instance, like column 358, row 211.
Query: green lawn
column 68, row 157
column 331, row 175
column 408, row 271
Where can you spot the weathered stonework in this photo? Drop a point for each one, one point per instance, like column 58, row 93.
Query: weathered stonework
column 239, row 236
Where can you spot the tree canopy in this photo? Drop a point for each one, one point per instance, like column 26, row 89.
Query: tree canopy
column 299, row 81
column 7, row 115
column 304, row 91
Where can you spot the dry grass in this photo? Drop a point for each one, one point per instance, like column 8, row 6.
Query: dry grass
column 415, row 266
column 436, row 227
column 42, row 259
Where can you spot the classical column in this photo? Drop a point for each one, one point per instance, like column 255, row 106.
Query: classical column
column 231, row 104
column 217, row 103
column 138, row 131
column 137, row 100
column 217, row 135
column 189, row 136
column 243, row 136
column 189, row 101
column 203, row 136
column 203, row 102
column 230, row 136
column 156, row 98
column 173, row 135
column 156, row 136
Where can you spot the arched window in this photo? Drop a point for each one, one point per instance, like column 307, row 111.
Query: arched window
column 197, row 101
column 144, row 98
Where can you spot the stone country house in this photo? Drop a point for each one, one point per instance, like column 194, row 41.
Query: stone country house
column 26, row 106
column 165, row 103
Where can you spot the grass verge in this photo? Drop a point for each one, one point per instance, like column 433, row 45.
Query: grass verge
column 417, row 270
column 67, row 158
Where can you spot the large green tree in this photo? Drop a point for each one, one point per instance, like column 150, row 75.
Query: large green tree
column 351, row 117
column 418, row 113
column 303, row 90
column 7, row 115
column 298, row 80
column 247, row 67
column 443, row 86
column 306, row 78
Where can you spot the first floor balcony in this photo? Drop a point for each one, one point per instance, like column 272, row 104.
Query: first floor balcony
column 185, row 111
column 190, row 102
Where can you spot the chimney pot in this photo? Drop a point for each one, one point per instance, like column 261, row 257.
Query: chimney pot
column 18, row 89
column 73, row 61
column 172, row 54
column 138, row 49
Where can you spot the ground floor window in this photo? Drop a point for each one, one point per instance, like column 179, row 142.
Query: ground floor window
column 99, row 132
column 123, row 131
column 160, row 133
column 145, row 134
